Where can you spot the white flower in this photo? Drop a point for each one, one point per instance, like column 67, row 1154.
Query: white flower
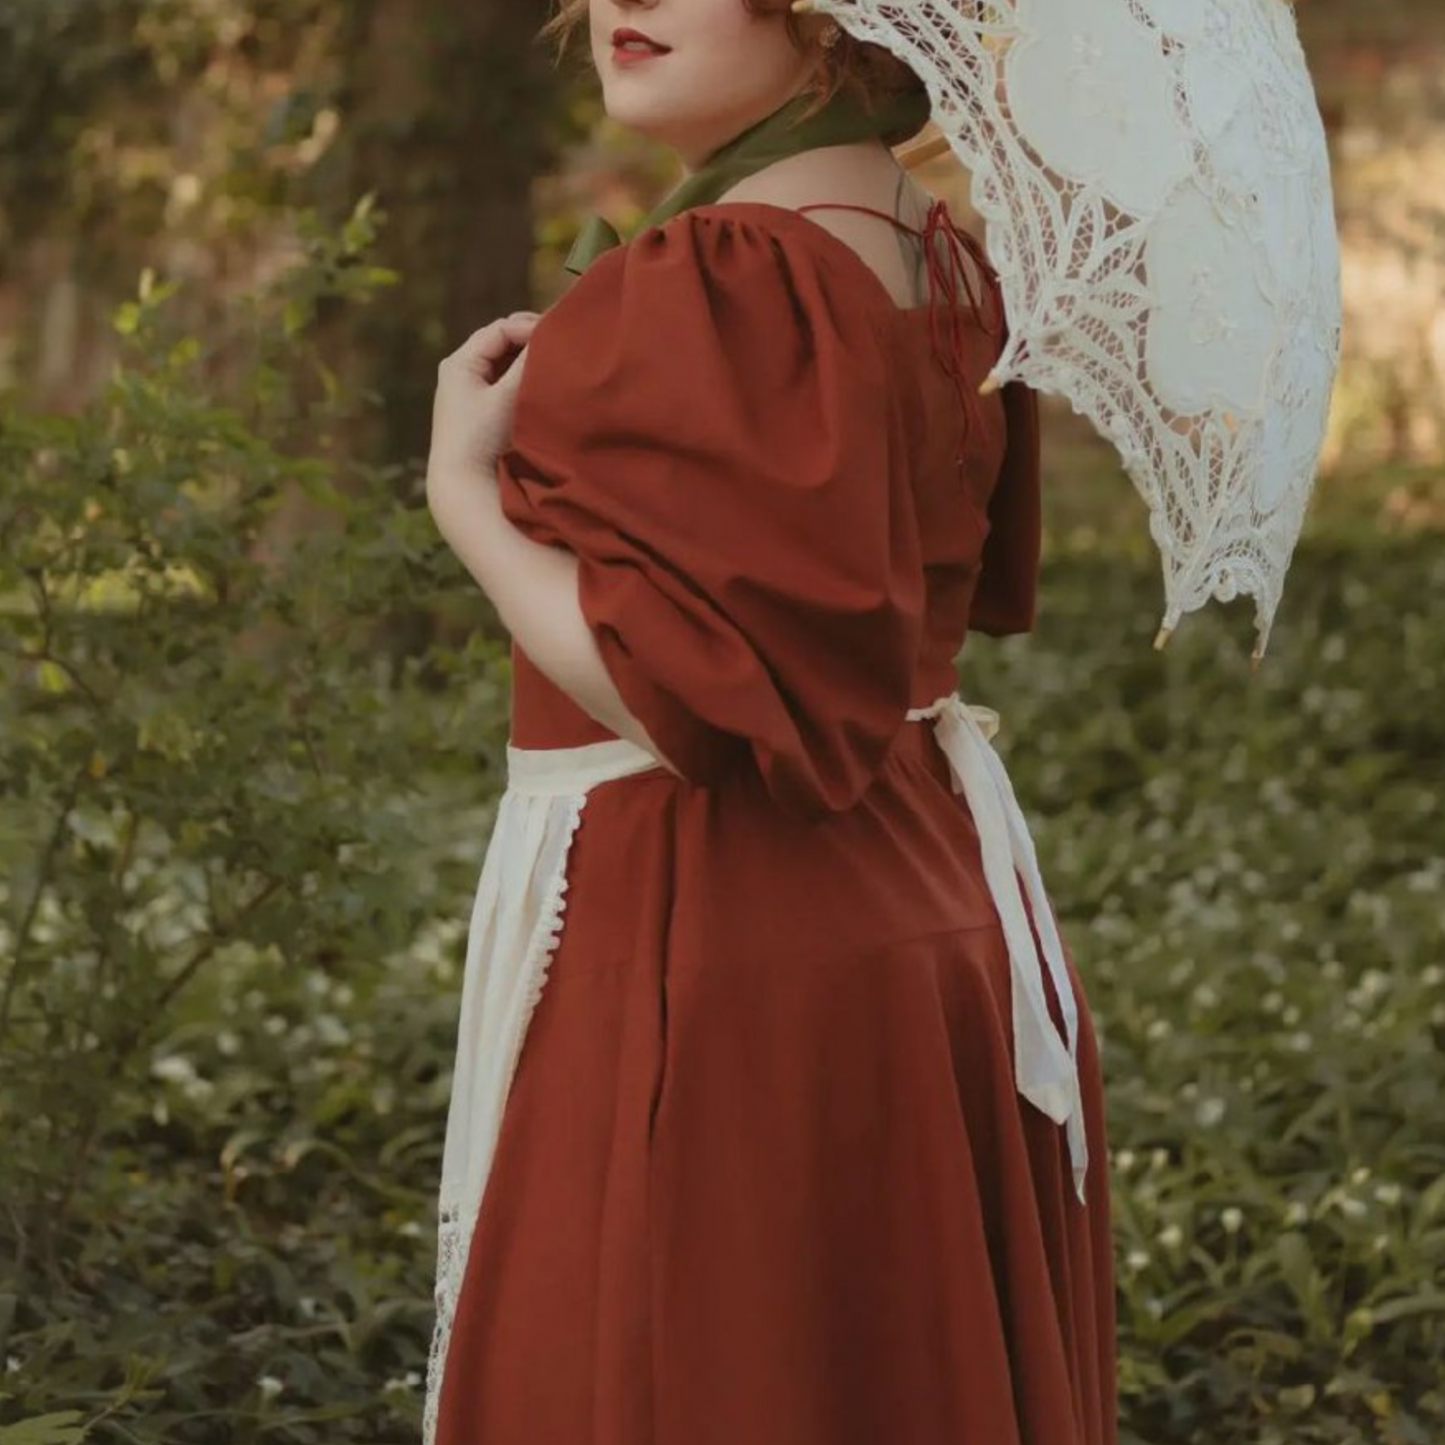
column 330, row 1030
column 1136, row 1258
column 269, row 1386
column 1296, row 1213
column 1373, row 982
column 174, row 1069
column 1231, row 1219
column 1209, row 1112
column 1171, row 1236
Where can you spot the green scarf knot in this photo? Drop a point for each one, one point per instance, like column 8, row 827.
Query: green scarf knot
column 843, row 120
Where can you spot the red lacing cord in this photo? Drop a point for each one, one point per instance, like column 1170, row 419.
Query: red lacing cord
column 948, row 278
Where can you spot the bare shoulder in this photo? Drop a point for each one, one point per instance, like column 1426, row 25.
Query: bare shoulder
column 852, row 176
column 857, row 175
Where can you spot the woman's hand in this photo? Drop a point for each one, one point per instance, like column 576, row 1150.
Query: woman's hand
column 475, row 400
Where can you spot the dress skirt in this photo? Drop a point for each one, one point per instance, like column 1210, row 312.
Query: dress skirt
column 780, row 1152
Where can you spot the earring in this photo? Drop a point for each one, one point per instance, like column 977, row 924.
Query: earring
column 831, row 36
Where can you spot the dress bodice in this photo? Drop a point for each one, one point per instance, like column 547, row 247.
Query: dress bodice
column 789, row 501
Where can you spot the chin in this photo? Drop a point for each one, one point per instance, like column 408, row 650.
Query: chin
column 638, row 114
column 652, row 115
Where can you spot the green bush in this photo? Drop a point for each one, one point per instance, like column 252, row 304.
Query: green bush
column 237, row 821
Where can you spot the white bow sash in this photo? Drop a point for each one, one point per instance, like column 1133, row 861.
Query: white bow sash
column 1045, row 1072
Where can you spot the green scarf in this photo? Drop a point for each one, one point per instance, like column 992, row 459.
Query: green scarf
column 842, row 120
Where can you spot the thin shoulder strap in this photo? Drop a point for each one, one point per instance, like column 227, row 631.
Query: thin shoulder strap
column 867, row 210
column 950, row 282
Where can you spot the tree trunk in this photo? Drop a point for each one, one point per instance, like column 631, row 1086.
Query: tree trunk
column 447, row 106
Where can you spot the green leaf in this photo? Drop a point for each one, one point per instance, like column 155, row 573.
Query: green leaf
column 56, row 1429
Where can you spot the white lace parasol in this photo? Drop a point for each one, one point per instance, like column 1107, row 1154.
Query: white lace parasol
column 1155, row 184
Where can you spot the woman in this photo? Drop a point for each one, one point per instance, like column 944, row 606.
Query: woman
column 806, row 1144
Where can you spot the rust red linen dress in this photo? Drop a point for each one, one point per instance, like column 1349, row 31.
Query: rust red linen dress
column 763, row 1175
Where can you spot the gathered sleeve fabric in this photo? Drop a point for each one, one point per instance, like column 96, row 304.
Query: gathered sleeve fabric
column 708, row 424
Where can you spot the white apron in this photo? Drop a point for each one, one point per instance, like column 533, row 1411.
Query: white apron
column 517, row 923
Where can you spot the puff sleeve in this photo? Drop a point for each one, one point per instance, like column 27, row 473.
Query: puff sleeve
column 707, row 423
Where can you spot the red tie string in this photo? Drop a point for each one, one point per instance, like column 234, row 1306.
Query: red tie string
column 951, row 278
column 951, row 281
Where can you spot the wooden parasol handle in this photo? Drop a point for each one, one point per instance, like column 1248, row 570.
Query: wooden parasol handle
column 914, row 153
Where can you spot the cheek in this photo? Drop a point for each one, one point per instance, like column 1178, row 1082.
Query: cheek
column 755, row 38
column 746, row 52
column 727, row 22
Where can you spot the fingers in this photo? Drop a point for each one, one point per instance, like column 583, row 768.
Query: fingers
column 489, row 345
column 511, row 378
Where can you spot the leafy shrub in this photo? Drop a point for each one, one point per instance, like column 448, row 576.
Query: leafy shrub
column 227, row 874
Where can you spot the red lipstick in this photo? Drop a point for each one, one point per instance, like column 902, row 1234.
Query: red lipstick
column 629, row 46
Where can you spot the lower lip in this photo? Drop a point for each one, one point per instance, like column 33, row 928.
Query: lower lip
column 635, row 57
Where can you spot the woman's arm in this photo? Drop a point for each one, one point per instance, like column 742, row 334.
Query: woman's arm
column 534, row 589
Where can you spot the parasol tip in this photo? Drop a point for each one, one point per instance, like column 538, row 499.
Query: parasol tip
column 991, row 383
column 1161, row 637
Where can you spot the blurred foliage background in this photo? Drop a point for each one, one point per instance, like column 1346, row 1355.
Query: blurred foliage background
column 252, row 718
